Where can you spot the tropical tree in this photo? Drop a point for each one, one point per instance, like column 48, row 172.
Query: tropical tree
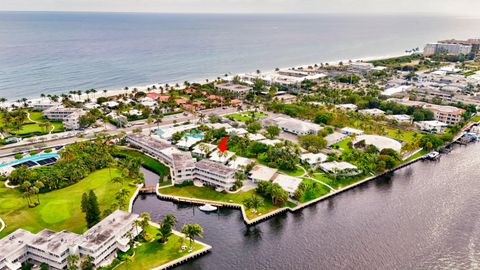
column 165, row 230
column 72, row 261
column 191, row 231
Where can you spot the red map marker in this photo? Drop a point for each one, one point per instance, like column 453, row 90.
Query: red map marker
column 223, row 145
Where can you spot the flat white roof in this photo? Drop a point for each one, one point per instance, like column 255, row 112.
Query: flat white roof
column 352, row 130
column 255, row 137
column 239, row 162
column 261, row 172
column 312, row 158
column 434, row 123
column 215, row 156
column 335, row 137
column 198, row 150
column 288, row 183
column 187, row 141
column 380, row 142
column 340, row 166
column 270, row 142
column 237, row 131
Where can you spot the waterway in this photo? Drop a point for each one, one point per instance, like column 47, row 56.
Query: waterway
column 424, row 216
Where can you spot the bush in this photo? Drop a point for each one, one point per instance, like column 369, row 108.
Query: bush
column 49, row 150
column 18, row 156
column 33, row 153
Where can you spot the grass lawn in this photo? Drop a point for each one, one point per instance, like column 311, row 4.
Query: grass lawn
column 339, row 182
column 297, row 172
column 37, row 116
column 417, row 155
column 153, row 254
column 59, row 209
column 403, row 135
column 245, row 116
column 342, row 144
column 476, row 118
column 210, row 194
column 313, row 193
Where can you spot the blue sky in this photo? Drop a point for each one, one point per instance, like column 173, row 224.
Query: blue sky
column 455, row 7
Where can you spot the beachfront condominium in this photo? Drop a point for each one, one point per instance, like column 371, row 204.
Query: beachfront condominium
column 101, row 243
column 69, row 116
column 214, row 174
column 447, row 48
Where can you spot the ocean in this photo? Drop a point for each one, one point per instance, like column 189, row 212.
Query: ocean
column 55, row 52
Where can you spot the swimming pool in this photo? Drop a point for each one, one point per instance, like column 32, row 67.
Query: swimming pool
column 36, row 159
column 195, row 135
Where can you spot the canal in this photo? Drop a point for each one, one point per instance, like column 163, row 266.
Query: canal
column 425, row 216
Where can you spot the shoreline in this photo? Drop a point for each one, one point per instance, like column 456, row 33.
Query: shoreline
column 114, row 91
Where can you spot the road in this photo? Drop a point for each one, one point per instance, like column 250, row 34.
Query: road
column 65, row 138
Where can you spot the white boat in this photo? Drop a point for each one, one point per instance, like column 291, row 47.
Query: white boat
column 433, row 155
column 208, row 208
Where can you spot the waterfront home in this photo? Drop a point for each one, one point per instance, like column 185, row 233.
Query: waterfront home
column 239, row 163
column 433, row 126
column 350, row 131
column 380, row 142
column 221, row 157
column 400, row 118
column 335, row 137
column 446, row 114
column 184, row 167
column 203, row 151
column 339, row 168
column 313, row 159
column 214, row 174
column 296, row 126
column 101, row 243
column 372, row 112
column 261, row 173
column 288, row 183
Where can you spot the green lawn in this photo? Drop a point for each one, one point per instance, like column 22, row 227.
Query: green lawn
column 59, row 209
column 37, row 116
column 212, row 195
column 153, row 254
column 297, row 172
column 342, row 144
column 313, row 193
column 31, row 128
column 339, row 182
column 245, row 116
column 403, row 135
column 417, row 155
column 476, row 118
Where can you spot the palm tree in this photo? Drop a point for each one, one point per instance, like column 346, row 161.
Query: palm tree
column 204, row 148
column 72, row 261
column 191, row 231
column 165, row 230
column 118, row 180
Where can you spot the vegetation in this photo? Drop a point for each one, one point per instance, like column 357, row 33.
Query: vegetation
column 89, row 206
column 147, row 162
column 59, row 209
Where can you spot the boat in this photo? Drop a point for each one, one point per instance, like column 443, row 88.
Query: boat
column 208, row 208
column 433, row 155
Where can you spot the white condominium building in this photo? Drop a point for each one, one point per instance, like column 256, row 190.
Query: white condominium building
column 184, row 166
column 214, row 174
column 69, row 116
column 53, row 248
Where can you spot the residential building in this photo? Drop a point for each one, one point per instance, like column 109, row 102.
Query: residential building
column 221, row 157
column 100, row 242
column 446, row 48
column 312, row 159
column 380, row 142
column 447, row 114
column 41, row 105
column 339, row 168
column 239, row 163
column 238, row 89
column 184, row 166
column 214, row 174
column 150, row 146
column 261, row 173
column 432, row 126
column 347, row 107
column 400, row 118
column 288, row 183
column 199, row 151
column 297, row 127
column 335, row 137
column 372, row 112
column 350, row 131
column 69, row 116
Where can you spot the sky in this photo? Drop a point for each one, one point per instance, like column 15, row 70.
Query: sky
column 452, row 7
